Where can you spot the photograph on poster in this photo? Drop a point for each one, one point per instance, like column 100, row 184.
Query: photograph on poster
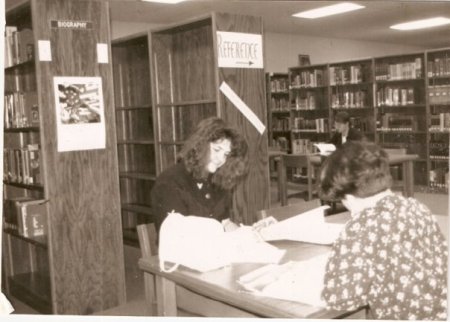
column 79, row 113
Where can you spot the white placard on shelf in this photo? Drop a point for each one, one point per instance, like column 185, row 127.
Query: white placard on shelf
column 239, row 50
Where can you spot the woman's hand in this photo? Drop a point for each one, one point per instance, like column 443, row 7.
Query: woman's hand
column 228, row 225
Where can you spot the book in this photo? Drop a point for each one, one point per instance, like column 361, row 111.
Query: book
column 32, row 219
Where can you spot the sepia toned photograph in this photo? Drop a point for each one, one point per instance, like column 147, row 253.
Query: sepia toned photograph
column 210, row 159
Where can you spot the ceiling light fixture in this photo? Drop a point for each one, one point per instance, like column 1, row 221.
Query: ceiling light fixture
column 423, row 23
column 165, row 1
column 328, row 10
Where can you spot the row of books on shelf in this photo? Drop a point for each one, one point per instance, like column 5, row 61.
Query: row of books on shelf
column 440, row 122
column 398, row 122
column 439, row 148
column 303, row 146
column 23, row 82
column 399, row 71
column 363, row 124
column 349, row 99
column 439, row 66
column 319, row 125
column 280, row 104
column 19, row 45
column 305, row 101
column 278, row 85
column 439, row 177
column 280, row 124
column 26, row 215
column 439, row 94
column 21, row 110
column 22, row 165
column 394, row 96
column 346, row 74
column 307, row 78
column 281, row 142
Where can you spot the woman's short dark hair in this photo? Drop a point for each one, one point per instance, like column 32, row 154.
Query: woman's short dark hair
column 357, row 168
column 195, row 153
column 342, row 117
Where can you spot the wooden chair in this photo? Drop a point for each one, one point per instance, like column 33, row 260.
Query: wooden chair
column 294, row 161
column 148, row 244
column 284, row 212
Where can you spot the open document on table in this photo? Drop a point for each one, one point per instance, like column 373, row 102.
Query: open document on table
column 298, row 281
column 309, row 227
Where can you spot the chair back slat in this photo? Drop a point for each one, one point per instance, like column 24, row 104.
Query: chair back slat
column 147, row 240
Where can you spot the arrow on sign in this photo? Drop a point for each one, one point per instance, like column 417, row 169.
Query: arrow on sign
column 245, row 63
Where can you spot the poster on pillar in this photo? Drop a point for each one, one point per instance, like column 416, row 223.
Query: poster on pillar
column 79, row 111
column 239, row 50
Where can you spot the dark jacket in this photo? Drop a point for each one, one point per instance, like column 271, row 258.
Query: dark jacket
column 175, row 189
column 353, row 135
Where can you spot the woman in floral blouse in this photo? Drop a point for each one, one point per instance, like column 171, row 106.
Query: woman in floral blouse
column 391, row 255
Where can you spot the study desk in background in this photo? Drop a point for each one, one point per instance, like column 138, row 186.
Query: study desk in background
column 405, row 160
column 228, row 300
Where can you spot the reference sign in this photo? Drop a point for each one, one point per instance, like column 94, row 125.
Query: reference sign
column 239, row 50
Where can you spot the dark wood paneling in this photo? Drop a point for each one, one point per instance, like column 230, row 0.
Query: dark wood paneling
column 253, row 194
column 86, row 253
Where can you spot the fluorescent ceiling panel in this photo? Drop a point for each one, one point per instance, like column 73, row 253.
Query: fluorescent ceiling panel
column 328, row 10
column 165, row 1
column 423, row 23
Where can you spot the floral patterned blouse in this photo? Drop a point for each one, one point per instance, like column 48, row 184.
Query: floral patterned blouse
column 392, row 257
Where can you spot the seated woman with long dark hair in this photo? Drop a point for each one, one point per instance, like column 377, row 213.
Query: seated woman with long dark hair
column 391, row 255
column 212, row 161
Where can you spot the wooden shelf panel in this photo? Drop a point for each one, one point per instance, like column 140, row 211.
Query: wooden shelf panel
column 137, row 175
column 187, row 103
column 37, row 187
column 23, row 129
column 137, row 208
column 40, row 241
column 131, row 141
column 27, row 64
column 33, row 289
column 133, row 108
column 130, row 237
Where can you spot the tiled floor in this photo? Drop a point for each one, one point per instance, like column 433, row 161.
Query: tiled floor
column 135, row 306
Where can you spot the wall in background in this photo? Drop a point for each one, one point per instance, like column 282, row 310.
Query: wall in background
column 282, row 50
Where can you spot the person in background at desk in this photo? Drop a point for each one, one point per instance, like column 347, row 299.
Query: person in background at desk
column 391, row 255
column 344, row 132
column 212, row 161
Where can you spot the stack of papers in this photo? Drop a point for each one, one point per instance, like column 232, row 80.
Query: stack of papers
column 300, row 281
column 309, row 227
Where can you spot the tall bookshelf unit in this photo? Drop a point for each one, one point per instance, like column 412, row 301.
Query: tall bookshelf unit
column 438, row 89
column 278, row 111
column 351, row 90
column 77, row 266
column 309, row 102
column 135, row 139
column 401, row 107
column 186, row 81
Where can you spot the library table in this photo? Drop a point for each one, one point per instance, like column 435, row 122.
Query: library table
column 226, row 297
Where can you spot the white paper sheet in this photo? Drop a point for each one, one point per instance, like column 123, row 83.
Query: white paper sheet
column 308, row 227
column 325, row 148
column 300, row 281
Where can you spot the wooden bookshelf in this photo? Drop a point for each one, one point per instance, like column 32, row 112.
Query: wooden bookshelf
column 135, row 137
column 278, row 111
column 401, row 112
column 186, row 80
column 82, row 208
column 309, row 105
column 438, row 99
